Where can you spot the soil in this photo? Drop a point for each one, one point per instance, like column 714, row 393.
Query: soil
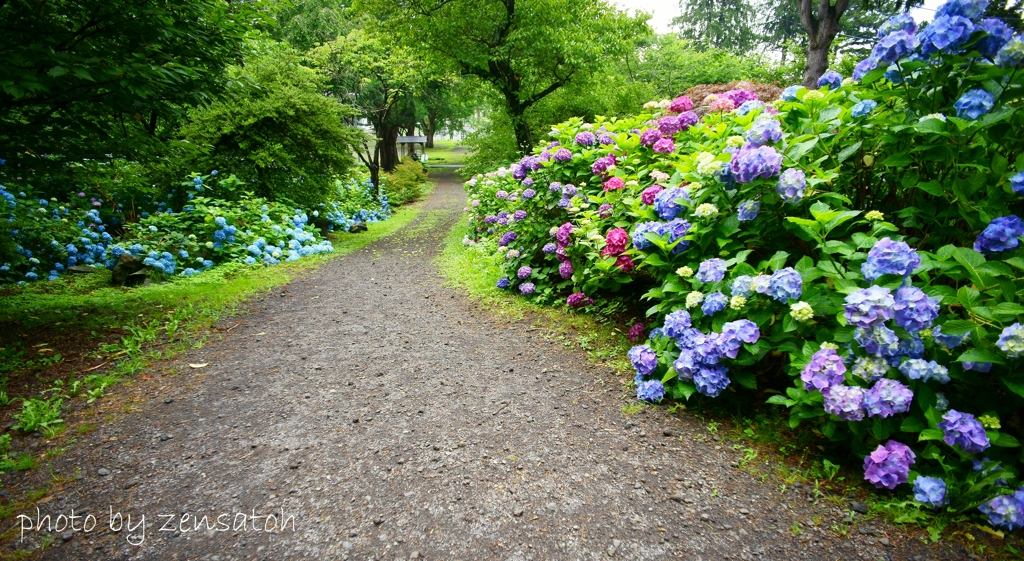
column 381, row 415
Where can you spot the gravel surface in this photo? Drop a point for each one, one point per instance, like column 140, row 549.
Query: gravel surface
column 385, row 416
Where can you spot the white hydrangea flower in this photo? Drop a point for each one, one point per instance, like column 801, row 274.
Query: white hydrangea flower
column 737, row 302
column 801, row 311
column 705, row 210
column 694, row 299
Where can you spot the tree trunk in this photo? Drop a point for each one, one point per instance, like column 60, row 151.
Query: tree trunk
column 817, row 63
column 822, row 26
column 524, row 140
column 375, row 169
column 431, row 128
column 389, row 148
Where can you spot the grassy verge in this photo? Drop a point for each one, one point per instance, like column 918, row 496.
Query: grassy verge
column 761, row 436
column 446, row 152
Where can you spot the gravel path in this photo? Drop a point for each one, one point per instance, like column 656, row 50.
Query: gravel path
column 388, row 417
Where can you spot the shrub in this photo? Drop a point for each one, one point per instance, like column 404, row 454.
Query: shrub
column 407, row 183
column 863, row 230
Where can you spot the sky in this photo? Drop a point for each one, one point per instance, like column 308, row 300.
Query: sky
column 665, row 10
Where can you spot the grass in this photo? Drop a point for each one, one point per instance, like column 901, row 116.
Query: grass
column 443, row 153
column 764, row 444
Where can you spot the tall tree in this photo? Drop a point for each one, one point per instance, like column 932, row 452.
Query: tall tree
column 305, row 24
column 524, row 49
column 378, row 78
column 445, row 102
column 717, row 24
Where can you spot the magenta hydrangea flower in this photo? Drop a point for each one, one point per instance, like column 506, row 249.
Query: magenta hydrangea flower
column 642, row 356
column 664, row 146
column 563, row 233
column 845, row 402
column 825, row 370
column 963, row 430
column 888, row 257
column 648, row 194
column 579, row 299
column 636, row 332
column 889, row 465
column 625, row 263
column 615, row 242
column 752, row 162
column 680, row 104
column 565, row 269
column 650, row 136
column 602, row 164
column 614, row 184
column 739, row 96
column 887, row 398
column 869, row 306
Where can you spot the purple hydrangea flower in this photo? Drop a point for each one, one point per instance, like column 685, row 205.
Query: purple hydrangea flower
column 604, row 211
column 982, row 367
column 564, row 202
column 643, row 358
column 791, row 185
column 676, row 322
column 565, row 269
column 915, row 310
column 863, row 67
column 519, row 171
column 734, row 334
column 712, row 270
column 524, row 272
column 1000, row 235
column 687, row 119
column 675, row 230
column 711, row 380
column 507, row 238
column 930, row 491
column 786, row 284
column 742, row 286
column 639, row 239
column 887, row 398
column 752, row 162
column 945, row 34
column 889, row 465
column 555, row 187
column 529, row 193
column 503, row 283
column 569, row 190
column 963, row 430
column 579, row 299
column 549, row 248
column 888, row 257
column 748, row 210
column 1005, row 511
column 878, row 340
column 563, row 233
column 974, row 104
column 651, row 391
column 664, row 146
column 530, row 163
column 585, row 138
column 605, row 140
column 825, row 370
column 668, row 125
column 845, row 402
column 870, row 306
column 998, row 33
column 666, row 202
column 563, row 155
column 763, row 131
column 519, row 215
column 527, row 288
column 714, row 303
column 602, row 164
column 650, row 136
column 501, row 194
column 901, row 22
column 832, row 79
column 894, row 46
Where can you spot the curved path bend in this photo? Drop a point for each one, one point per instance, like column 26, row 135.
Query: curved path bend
column 385, row 416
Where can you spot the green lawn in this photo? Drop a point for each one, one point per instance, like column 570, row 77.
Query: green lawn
column 447, row 152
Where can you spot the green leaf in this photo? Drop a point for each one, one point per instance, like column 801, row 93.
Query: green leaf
column 1003, row 440
column 913, row 424
column 958, row 327
column 933, row 188
column 799, row 149
column 745, row 379
column 57, row 71
column 781, row 400
column 778, row 260
column 849, row 151
column 930, row 434
column 977, row 355
column 1015, row 386
column 898, row 160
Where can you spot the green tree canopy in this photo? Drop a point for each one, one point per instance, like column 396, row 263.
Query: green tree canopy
column 717, row 24
column 278, row 132
column 304, row 24
column 525, row 50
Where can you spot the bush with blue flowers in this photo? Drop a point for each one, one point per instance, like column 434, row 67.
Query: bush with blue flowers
column 861, row 237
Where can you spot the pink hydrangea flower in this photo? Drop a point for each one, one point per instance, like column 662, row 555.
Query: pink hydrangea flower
column 614, row 183
column 615, row 242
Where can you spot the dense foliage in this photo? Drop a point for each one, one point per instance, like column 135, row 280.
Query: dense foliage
column 859, row 237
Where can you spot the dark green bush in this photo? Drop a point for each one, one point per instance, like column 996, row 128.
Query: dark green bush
column 406, row 184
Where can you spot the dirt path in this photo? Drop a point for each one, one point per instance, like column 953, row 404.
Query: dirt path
column 389, row 417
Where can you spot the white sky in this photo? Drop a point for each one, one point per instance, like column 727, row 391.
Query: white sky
column 665, row 10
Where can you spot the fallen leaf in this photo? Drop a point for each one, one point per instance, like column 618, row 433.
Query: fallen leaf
column 198, row 364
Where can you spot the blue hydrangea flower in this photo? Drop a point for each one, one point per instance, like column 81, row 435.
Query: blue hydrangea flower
column 915, row 310
column 998, row 33
column 1017, row 183
column 948, row 341
column 734, row 334
column 941, row 403
column 666, row 202
column 675, row 230
column 651, row 391
column 791, row 185
column 714, row 303
column 901, row 22
column 864, row 108
column 742, row 286
column 974, row 104
column 920, row 369
column 930, row 491
column 878, row 340
column 764, row 130
column 549, row 248
column 503, row 283
column 894, row 46
column 748, row 209
column 845, row 402
column 982, row 367
column 945, row 34
column 887, row 398
column 963, row 430
column 751, row 162
column 1000, row 235
column 220, row 222
column 711, row 380
column 832, row 79
column 643, row 358
column 888, row 257
column 786, row 284
column 1005, row 511
column 1012, row 53
column 676, row 322
column 789, row 94
column 970, row 9
column 748, row 106
column 712, row 270
column 1011, row 340
column 870, row 306
column 639, row 239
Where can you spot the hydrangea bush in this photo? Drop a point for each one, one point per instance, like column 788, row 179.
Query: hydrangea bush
column 860, row 237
